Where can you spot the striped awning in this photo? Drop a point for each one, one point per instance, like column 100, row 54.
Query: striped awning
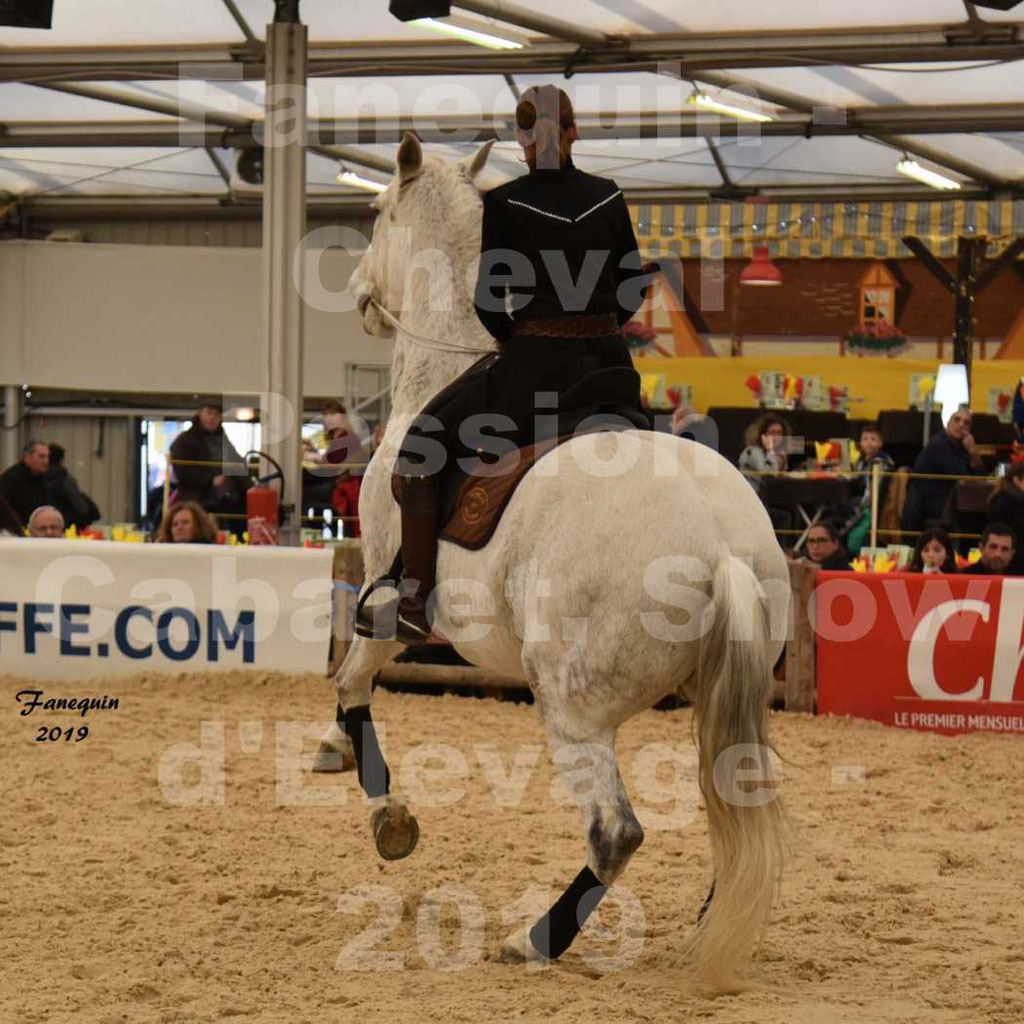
column 819, row 230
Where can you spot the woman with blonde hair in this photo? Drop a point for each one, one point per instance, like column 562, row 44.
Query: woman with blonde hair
column 187, row 522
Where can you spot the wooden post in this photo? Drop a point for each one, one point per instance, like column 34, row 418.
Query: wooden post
column 876, row 481
column 348, row 569
column 800, row 687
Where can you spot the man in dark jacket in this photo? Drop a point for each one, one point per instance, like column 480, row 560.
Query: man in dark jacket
column 953, row 453
column 76, row 507
column 23, row 485
column 220, row 485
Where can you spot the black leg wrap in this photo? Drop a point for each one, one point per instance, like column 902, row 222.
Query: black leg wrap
column 374, row 776
column 553, row 934
column 339, row 716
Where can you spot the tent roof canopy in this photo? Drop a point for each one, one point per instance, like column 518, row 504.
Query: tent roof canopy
column 108, row 103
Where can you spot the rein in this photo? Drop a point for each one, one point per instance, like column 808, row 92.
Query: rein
column 437, row 344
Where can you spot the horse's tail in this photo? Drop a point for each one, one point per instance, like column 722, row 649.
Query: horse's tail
column 746, row 817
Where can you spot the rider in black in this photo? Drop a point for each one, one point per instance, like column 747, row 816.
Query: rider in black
column 559, row 275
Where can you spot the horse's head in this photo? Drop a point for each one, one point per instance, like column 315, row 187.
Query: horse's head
column 427, row 219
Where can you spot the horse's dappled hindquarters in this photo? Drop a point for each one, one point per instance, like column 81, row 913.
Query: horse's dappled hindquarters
column 625, row 566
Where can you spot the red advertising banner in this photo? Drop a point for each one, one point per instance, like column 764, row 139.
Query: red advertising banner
column 931, row 652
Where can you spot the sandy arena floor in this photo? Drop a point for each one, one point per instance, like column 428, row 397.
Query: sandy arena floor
column 902, row 902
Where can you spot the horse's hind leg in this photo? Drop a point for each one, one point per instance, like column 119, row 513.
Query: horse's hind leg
column 591, row 774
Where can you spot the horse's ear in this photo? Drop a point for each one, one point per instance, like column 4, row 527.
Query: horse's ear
column 475, row 164
column 410, row 157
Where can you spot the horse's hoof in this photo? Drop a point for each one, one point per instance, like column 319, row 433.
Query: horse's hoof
column 518, row 949
column 395, row 831
column 331, row 759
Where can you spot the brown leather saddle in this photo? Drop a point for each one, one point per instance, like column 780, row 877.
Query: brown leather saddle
column 481, row 497
column 471, row 505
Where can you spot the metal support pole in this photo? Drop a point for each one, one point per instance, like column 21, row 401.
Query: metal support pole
column 968, row 252
column 284, row 225
column 10, row 436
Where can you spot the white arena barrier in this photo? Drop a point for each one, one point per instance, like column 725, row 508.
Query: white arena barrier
column 76, row 608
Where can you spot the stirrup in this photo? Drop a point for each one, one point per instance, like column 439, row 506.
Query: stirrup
column 379, row 621
column 410, row 633
column 368, row 626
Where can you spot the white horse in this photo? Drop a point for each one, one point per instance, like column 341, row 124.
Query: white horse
column 626, row 566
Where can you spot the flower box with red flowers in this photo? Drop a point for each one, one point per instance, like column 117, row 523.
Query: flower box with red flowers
column 875, row 339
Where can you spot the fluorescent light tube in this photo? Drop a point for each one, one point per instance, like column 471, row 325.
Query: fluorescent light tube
column 348, row 178
column 912, row 169
column 706, row 102
column 469, row 35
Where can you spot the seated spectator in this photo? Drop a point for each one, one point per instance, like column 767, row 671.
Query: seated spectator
column 1006, row 505
column 998, row 546
column 23, row 485
column 217, row 487
column 10, row 525
column 65, row 495
column 767, row 441
column 873, row 453
column 347, row 452
column 46, row 521
column 187, row 523
column 766, row 447
column 934, row 552
column 824, row 549
column 951, row 452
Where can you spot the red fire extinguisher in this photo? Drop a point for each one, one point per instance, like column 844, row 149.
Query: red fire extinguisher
column 263, row 508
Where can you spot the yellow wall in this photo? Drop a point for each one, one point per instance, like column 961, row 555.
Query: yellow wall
column 875, row 383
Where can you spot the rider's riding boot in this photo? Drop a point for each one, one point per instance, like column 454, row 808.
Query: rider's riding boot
column 419, row 556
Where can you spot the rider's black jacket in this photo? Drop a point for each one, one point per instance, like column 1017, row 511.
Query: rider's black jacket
column 562, row 243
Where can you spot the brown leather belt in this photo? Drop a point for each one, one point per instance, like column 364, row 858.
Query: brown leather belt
column 584, row 325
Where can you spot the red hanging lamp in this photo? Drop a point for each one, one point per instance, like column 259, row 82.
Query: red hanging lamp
column 760, row 270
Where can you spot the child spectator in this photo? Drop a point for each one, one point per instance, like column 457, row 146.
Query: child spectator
column 873, row 453
column 934, row 552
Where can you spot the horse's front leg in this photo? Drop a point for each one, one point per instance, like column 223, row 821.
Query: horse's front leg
column 395, row 830
column 354, row 676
